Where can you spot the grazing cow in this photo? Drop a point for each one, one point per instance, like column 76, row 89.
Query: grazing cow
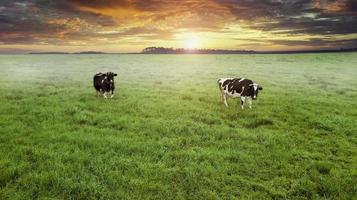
column 244, row 89
column 104, row 83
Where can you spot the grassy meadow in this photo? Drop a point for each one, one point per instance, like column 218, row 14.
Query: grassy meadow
column 165, row 135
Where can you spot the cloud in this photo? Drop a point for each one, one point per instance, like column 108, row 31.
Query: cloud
column 296, row 17
column 90, row 22
column 101, row 3
column 351, row 6
column 45, row 21
column 324, row 43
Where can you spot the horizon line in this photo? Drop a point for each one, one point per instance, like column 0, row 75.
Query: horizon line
column 190, row 51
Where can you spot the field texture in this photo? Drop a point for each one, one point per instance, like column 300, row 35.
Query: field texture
column 166, row 135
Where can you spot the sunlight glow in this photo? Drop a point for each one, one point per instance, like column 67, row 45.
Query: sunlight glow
column 192, row 42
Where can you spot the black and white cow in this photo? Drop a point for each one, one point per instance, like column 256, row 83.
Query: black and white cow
column 244, row 89
column 104, row 83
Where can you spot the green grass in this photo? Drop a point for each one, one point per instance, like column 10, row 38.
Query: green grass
column 166, row 136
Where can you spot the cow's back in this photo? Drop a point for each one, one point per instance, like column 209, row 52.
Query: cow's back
column 233, row 87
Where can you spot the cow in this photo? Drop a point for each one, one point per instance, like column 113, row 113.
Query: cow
column 244, row 89
column 104, row 83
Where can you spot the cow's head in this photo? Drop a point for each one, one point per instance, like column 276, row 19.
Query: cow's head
column 110, row 76
column 254, row 87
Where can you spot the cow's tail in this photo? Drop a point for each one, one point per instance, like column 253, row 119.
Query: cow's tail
column 94, row 79
column 219, row 83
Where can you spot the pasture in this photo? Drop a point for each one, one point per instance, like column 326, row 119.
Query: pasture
column 165, row 135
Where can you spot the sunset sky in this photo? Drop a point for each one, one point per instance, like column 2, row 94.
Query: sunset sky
column 131, row 25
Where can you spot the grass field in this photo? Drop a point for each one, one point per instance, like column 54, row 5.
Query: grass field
column 166, row 136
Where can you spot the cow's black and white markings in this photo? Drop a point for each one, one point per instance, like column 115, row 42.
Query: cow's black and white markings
column 244, row 89
column 104, row 83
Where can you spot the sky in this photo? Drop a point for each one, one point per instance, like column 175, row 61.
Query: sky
column 131, row 25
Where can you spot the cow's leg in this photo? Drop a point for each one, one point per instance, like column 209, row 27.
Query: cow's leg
column 221, row 95
column 105, row 95
column 111, row 96
column 98, row 92
column 250, row 103
column 242, row 100
column 225, row 99
column 220, row 92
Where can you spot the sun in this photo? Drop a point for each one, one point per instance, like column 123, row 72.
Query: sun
column 193, row 42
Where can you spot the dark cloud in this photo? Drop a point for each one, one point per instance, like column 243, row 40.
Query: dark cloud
column 252, row 9
column 101, row 3
column 325, row 43
column 40, row 21
column 296, row 16
column 351, row 5
column 317, row 26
